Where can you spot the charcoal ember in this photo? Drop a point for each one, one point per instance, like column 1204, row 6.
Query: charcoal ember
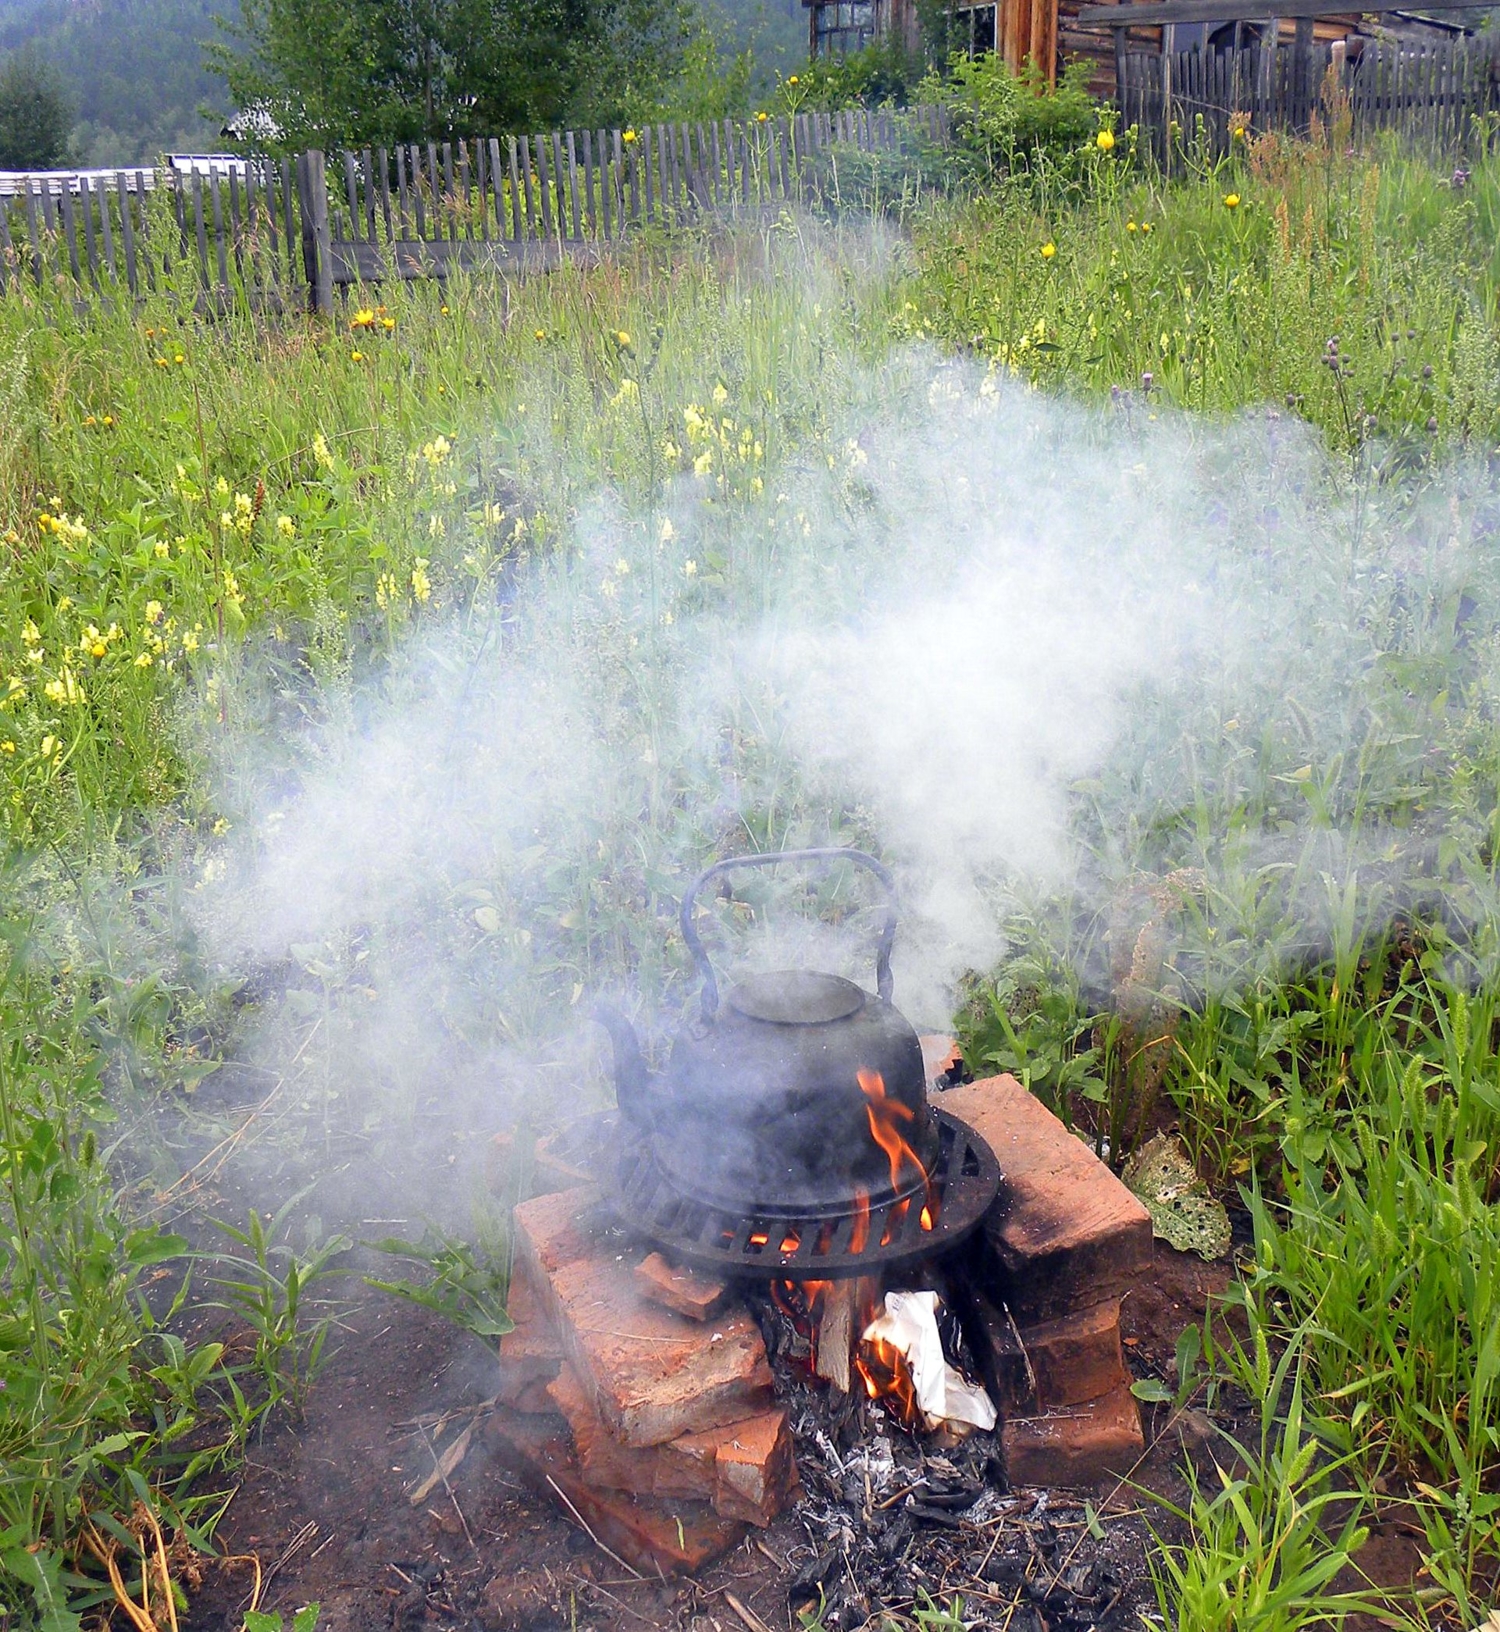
column 852, row 1488
column 925, row 1514
column 897, row 1538
column 809, row 1587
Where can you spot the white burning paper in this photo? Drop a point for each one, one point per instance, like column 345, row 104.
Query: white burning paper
column 909, row 1324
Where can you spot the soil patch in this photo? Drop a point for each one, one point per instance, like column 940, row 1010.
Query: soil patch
column 324, row 1504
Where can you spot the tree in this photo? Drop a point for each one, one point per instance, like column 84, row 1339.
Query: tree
column 35, row 116
column 346, row 73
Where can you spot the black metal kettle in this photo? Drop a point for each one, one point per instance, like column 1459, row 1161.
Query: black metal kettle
column 799, row 1093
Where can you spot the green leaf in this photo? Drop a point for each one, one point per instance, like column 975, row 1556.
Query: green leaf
column 1152, row 1390
column 41, row 1570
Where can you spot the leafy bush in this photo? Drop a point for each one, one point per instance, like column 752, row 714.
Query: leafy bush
column 1008, row 120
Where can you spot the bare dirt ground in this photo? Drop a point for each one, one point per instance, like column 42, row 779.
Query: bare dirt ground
column 324, row 1504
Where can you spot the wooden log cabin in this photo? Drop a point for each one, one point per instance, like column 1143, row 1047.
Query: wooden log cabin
column 1051, row 33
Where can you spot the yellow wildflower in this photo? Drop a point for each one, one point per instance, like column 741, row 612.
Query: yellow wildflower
column 629, row 136
column 436, row 451
column 153, row 611
column 321, row 452
column 388, row 323
column 30, row 633
column 1049, row 249
column 364, row 318
column 1231, row 201
column 65, row 689
column 357, row 356
column 286, row 526
column 421, row 584
column 7, row 747
column 1105, row 141
column 622, row 339
column 703, row 463
column 50, row 745
column 144, row 661
column 161, row 549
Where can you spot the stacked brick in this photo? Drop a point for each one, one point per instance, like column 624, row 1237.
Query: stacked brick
column 635, row 1394
column 1063, row 1243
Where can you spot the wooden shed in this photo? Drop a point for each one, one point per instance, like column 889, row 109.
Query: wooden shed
column 1053, row 32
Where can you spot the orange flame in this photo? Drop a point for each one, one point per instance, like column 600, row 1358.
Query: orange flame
column 884, row 1114
column 887, row 1377
column 859, row 1236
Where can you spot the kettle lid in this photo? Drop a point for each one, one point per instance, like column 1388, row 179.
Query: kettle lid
column 796, row 997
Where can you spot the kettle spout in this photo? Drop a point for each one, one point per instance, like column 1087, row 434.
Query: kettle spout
column 632, row 1077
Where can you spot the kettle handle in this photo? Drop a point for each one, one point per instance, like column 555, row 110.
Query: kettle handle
column 770, row 858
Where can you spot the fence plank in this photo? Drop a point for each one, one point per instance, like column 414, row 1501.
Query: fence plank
column 9, row 262
column 90, row 242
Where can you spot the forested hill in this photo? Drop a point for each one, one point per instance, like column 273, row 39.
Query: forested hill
column 134, row 69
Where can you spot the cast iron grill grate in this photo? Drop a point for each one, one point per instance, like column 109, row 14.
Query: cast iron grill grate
column 964, row 1179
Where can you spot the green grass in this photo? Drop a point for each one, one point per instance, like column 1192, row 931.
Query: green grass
column 271, row 562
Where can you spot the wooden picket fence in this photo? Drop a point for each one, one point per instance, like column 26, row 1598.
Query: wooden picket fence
column 1440, row 96
column 288, row 233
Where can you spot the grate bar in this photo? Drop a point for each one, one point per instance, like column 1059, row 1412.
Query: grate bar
column 962, row 1185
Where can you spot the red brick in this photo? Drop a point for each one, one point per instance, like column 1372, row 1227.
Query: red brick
column 1064, row 1233
column 649, row 1535
column 1079, row 1445
column 685, row 1291
column 745, row 1469
column 755, row 1469
column 1076, row 1357
column 652, row 1375
column 531, row 1354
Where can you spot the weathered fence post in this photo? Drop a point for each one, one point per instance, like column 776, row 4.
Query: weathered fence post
column 317, row 243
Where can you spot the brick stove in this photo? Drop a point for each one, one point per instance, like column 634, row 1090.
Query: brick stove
column 638, row 1392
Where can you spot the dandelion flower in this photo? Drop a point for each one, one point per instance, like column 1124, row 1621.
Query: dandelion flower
column 388, row 323
column 629, row 136
column 1049, row 249
column 1130, row 226
column 178, row 358
column 1105, row 141
column 1231, row 201
column 364, row 318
